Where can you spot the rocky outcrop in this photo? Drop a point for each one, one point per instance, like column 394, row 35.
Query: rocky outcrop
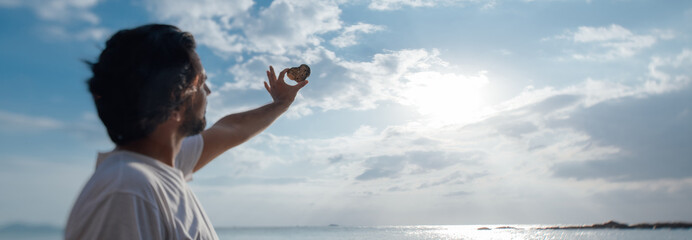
column 612, row 225
column 507, row 227
column 617, row 225
column 503, row 227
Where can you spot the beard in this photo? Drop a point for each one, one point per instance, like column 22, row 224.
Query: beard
column 191, row 124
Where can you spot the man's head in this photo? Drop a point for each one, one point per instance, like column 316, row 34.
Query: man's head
column 143, row 76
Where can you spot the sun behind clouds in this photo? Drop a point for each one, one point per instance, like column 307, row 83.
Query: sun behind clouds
column 446, row 97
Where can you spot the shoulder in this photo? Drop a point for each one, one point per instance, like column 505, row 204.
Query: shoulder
column 116, row 216
column 120, row 173
column 190, row 151
column 116, row 177
column 191, row 147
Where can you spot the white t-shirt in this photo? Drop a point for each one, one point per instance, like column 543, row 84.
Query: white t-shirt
column 132, row 196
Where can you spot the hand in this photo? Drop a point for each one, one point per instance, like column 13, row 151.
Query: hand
column 280, row 91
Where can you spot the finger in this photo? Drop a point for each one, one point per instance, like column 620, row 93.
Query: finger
column 271, row 69
column 281, row 75
column 270, row 77
column 301, row 85
column 266, row 85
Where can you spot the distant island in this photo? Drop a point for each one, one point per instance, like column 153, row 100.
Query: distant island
column 614, row 225
column 617, row 225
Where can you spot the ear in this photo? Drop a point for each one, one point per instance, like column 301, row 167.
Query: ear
column 177, row 115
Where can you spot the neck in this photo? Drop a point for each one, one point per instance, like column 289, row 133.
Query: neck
column 160, row 145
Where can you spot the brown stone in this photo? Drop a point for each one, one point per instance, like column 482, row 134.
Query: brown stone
column 299, row 73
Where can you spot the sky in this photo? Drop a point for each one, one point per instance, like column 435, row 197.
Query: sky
column 417, row 111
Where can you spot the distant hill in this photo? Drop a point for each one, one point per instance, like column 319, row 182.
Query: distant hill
column 614, row 225
column 617, row 225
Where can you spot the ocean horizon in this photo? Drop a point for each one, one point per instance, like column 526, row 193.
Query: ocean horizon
column 404, row 232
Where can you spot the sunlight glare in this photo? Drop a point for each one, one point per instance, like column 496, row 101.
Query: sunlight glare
column 446, row 97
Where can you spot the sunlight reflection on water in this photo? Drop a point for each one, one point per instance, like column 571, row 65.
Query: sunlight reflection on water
column 461, row 232
column 443, row 232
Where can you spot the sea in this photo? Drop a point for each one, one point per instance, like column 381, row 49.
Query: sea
column 419, row 232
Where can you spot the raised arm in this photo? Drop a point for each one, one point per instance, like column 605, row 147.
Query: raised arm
column 234, row 129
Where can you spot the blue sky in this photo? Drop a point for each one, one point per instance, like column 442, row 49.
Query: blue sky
column 417, row 112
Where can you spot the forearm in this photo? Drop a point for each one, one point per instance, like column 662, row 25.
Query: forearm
column 234, row 129
column 244, row 125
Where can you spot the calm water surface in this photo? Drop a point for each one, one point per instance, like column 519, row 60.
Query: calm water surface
column 443, row 232
column 414, row 233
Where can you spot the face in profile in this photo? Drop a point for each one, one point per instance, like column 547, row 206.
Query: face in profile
column 192, row 123
column 194, row 120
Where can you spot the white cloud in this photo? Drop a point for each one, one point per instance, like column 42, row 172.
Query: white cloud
column 202, row 9
column 413, row 77
column 229, row 28
column 406, row 76
column 396, row 4
column 278, row 36
column 348, row 35
column 60, row 15
column 416, row 161
column 67, row 9
column 287, row 24
column 511, row 154
column 669, row 74
column 95, row 33
column 664, row 34
column 210, row 20
column 389, row 5
column 59, row 10
column 380, row 79
column 489, row 5
column 537, row 107
column 612, row 42
column 86, row 34
column 600, row 34
column 251, row 73
column 20, row 122
column 10, row 3
column 88, row 129
column 666, row 74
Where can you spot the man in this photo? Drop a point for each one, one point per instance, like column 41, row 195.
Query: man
column 149, row 90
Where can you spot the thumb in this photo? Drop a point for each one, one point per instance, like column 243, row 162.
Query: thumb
column 301, row 84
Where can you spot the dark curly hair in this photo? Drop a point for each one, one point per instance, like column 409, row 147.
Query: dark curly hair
column 140, row 78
